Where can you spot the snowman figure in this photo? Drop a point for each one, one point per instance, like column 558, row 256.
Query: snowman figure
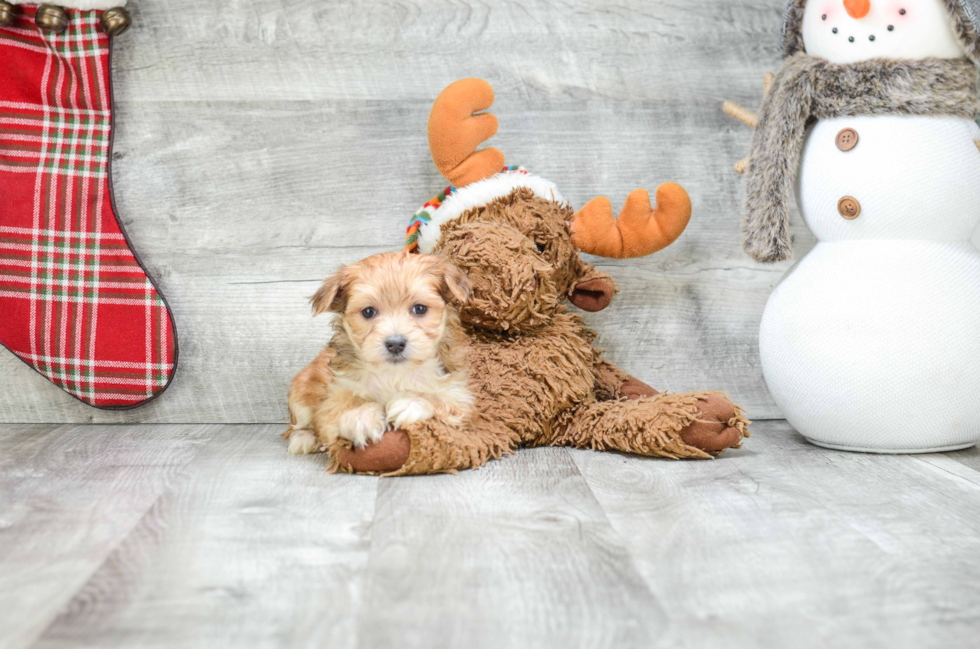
column 871, row 342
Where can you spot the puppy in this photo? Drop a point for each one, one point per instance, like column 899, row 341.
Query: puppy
column 397, row 355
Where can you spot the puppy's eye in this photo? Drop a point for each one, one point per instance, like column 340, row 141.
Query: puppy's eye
column 369, row 312
column 539, row 246
column 420, row 309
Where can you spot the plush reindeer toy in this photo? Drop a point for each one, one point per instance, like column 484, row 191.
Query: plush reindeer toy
column 536, row 377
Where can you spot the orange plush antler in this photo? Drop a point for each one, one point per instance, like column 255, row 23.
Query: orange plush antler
column 456, row 128
column 639, row 230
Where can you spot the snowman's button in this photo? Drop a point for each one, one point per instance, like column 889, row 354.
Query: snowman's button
column 849, row 208
column 847, row 139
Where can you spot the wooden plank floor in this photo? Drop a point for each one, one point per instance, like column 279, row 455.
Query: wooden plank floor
column 212, row 536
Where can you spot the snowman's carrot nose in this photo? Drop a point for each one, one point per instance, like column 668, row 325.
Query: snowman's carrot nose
column 857, row 8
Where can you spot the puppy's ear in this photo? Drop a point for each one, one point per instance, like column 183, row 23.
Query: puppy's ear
column 455, row 284
column 332, row 294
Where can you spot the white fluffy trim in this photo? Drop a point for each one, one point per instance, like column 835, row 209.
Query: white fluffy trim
column 82, row 5
column 481, row 193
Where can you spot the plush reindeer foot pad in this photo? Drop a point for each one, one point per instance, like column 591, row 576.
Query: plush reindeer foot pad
column 720, row 426
column 384, row 456
column 634, row 388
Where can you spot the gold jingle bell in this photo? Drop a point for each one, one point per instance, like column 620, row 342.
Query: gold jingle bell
column 115, row 21
column 50, row 18
column 6, row 13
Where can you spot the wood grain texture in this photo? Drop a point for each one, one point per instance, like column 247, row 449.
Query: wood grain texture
column 783, row 544
column 970, row 457
column 253, row 548
column 517, row 554
column 260, row 145
column 192, row 536
column 68, row 496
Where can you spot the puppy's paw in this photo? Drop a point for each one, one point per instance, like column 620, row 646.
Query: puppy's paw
column 408, row 411
column 363, row 424
column 303, row 442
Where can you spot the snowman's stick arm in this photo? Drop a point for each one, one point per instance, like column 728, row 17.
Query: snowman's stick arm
column 747, row 117
column 767, row 79
column 741, row 113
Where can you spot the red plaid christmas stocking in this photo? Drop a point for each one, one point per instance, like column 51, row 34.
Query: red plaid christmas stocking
column 75, row 302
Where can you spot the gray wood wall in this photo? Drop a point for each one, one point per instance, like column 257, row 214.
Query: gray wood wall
column 262, row 144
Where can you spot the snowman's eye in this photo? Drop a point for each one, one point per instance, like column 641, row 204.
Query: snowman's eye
column 901, row 12
column 891, row 28
column 823, row 17
column 835, row 30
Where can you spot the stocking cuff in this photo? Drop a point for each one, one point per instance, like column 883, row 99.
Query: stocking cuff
column 81, row 5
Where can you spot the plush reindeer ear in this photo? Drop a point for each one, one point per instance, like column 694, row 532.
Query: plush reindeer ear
column 332, row 294
column 593, row 290
column 455, row 283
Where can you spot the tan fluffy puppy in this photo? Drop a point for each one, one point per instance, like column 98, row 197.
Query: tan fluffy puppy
column 397, row 355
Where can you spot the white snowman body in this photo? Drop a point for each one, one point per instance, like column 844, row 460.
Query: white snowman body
column 872, row 341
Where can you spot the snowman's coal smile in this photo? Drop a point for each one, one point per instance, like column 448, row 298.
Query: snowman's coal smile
column 871, row 37
column 850, row 39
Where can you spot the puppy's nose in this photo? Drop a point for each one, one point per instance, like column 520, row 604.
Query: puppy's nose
column 395, row 344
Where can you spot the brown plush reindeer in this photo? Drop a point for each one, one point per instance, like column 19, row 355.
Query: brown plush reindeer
column 536, row 377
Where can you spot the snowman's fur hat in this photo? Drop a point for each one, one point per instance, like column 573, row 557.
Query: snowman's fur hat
column 965, row 14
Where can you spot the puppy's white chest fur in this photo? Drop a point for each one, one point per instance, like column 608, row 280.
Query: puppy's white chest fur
column 383, row 384
column 386, row 384
column 396, row 397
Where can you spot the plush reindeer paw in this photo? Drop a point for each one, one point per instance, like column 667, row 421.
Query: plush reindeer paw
column 634, row 388
column 384, row 456
column 721, row 425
